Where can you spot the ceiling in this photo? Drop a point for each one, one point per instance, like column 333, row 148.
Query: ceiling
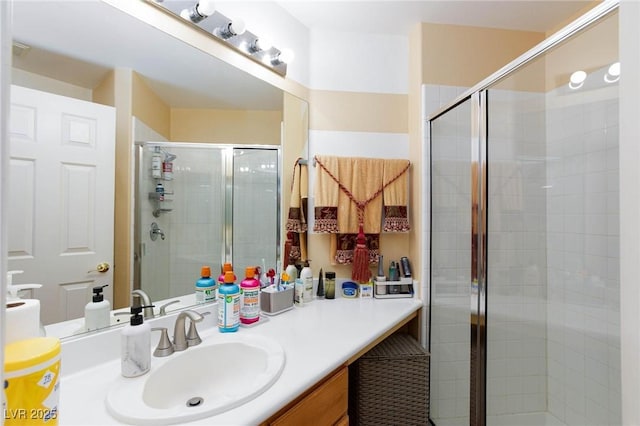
column 93, row 37
column 397, row 17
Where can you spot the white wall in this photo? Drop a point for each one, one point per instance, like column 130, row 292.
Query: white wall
column 269, row 20
column 629, row 34
column 353, row 62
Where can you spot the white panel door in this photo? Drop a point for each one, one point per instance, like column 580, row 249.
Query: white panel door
column 61, row 198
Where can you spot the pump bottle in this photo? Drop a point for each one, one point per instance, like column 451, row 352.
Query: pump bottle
column 306, row 275
column 136, row 345
column 96, row 313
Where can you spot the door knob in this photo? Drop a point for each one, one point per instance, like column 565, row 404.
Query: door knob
column 102, row 267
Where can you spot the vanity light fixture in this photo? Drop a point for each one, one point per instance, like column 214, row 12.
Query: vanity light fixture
column 613, row 73
column 199, row 11
column 577, row 79
column 232, row 29
column 233, row 33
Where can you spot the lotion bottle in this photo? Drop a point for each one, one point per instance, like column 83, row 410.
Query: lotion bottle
column 306, row 275
column 96, row 313
column 136, row 345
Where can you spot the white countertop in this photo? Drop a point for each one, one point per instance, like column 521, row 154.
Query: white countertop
column 317, row 339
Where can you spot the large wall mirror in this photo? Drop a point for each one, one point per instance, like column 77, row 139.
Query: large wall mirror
column 146, row 87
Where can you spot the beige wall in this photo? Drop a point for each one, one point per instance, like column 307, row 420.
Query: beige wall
column 225, row 126
column 358, row 112
column 117, row 90
column 148, row 107
column 456, row 55
column 450, row 55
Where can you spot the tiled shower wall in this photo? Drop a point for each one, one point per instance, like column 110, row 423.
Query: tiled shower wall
column 553, row 304
column 516, row 274
column 450, row 265
column 583, row 260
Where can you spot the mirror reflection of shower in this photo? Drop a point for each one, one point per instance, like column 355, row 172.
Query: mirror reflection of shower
column 204, row 202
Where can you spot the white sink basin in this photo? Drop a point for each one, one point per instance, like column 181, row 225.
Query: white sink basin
column 221, row 373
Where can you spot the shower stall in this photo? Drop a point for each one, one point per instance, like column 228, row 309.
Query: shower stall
column 524, row 256
column 219, row 203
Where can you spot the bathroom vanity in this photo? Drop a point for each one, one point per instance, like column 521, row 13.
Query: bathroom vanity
column 319, row 341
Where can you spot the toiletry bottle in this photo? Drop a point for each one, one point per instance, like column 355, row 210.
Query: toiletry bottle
column 136, row 345
column 406, row 266
column 225, row 267
column 298, row 293
column 249, row 297
column 228, row 304
column 330, row 285
column 205, row 286
column 96, row 313
column 160, row 191
column 156, row 163
column 320, row 290
column 393, row 272
column 307, row 279
column 292, row 271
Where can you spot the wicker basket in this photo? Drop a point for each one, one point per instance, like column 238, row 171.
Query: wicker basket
column 389, row 385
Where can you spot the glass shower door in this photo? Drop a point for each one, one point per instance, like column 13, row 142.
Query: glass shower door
column 451, row 235
column 553, row 282
column 255, row 207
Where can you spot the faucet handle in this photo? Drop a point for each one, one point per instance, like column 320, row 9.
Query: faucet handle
column 163, row 308
column 193, row 338
column 164, row 348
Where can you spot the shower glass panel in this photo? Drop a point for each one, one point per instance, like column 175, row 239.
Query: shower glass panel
column 548, row 151
column 220, row 205
column 451, row 266
column 255, row 208
column 553, row 289
column 191, row 218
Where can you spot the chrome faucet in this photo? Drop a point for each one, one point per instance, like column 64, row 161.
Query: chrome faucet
column 181, row 339
column 155, row 231
column 146, row 301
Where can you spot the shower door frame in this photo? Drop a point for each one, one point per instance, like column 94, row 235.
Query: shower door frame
column 226, row 254
column 479, row 196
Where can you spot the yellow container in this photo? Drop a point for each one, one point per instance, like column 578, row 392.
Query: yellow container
column 32, row 371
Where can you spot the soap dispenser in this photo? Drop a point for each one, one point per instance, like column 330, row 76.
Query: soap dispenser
column 136, row 345
column 96, row 313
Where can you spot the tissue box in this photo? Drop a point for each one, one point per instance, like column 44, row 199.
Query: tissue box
column 272, row 303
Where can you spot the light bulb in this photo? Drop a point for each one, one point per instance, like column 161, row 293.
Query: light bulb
column 237, row 26
column 614, row 69
column 613, row 73
column 577, row 79
column 184, row 14
column 262, row 44
column 287, row 56
column 206, row 7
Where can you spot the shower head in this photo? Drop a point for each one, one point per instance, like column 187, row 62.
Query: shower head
column 169, row 157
